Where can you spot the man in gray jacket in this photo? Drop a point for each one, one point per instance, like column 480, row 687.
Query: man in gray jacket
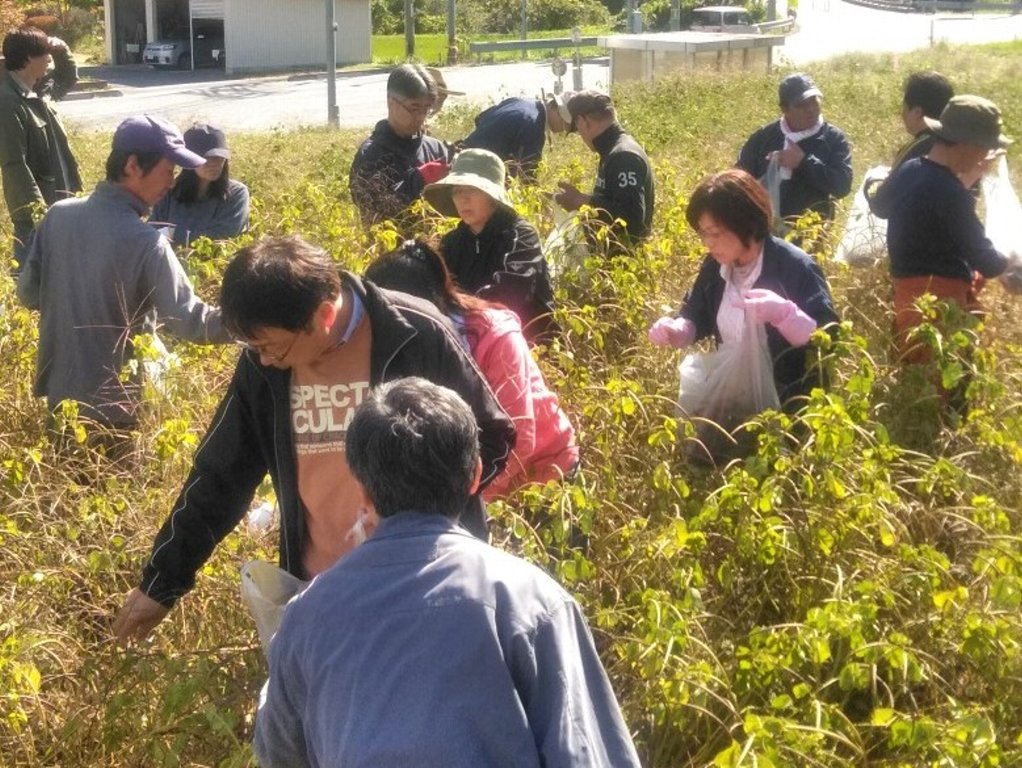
column 99, row 275
column 35, row 160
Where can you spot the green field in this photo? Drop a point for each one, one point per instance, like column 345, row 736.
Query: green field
column 850, row 595
column 432, row 49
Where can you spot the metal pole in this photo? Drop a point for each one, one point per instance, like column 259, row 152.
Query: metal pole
column 525, row 25
column 409, row 29
column 333, row 114
column 451, row 34
column 191, row 38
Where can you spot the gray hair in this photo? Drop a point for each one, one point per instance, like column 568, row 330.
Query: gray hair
column 414, row 447
column 411, row 81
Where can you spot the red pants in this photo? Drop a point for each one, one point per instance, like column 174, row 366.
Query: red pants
column 907, row 317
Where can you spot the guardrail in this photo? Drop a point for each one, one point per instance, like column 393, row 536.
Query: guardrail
column 931, row 6
column 780, row 25
column 536, row 44
column 934, row 6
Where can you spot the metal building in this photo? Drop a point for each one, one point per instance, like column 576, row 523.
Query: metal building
column 238, row 35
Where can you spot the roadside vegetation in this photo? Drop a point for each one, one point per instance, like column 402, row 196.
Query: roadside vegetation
column 849, row 595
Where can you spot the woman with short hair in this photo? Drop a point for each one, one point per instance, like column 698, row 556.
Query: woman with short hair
column 747, row 270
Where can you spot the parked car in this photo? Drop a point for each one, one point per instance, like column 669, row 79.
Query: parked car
column 722, row 18
column 168, row 53
column 176, row 52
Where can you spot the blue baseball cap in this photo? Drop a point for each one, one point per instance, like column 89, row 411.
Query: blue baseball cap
column 146, row 133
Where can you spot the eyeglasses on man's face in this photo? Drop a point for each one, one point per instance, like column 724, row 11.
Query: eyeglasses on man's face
column 263, row 350
column 416, row 109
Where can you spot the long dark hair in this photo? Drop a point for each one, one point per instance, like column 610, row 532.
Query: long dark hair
column 186, row 188
column 416, row 268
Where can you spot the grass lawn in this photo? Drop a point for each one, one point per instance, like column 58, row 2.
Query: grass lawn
column 432, row 49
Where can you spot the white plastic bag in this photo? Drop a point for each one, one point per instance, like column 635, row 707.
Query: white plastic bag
column 266, row 590
column 1004, row 221
column 565, row 247
column 771, row 181
column 723, row 389
column 864, row 241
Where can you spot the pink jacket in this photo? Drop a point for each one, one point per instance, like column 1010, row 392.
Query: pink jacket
column 545, row 446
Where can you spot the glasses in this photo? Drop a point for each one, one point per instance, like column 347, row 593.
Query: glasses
column 416, row 110
column 261, row 350
column 709, row 235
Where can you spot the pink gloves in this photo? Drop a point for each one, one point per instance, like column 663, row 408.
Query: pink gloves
column 767, row 307
column 433, row 171
column 674, row 331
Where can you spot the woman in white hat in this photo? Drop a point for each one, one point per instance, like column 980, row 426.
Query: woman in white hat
column 205, row 202
column 493, row 252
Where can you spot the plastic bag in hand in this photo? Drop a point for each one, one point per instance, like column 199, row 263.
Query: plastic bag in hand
column 864, row 241
column 1004, row 221
column 266, row 590
column 771, row 181
column 724, row 388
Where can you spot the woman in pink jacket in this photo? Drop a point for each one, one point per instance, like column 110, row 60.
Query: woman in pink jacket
column 545, row 446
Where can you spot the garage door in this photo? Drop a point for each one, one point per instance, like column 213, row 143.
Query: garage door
column 207, row 9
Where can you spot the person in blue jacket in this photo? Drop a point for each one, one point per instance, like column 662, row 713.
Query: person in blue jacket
column 516, row 130
column 814, row 156
column 205, row 201
column 747, row 270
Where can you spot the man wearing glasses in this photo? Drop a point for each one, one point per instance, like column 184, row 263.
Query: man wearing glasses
column 399, row 159
column 318, row 340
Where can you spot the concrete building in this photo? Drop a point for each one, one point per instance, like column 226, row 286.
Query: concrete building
column 238, row 35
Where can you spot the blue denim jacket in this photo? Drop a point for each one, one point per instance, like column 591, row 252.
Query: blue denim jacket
column 426, row 647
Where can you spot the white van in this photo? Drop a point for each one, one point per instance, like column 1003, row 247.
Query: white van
column 722, row 18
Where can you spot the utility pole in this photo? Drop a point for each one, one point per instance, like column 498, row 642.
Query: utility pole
column 452, row 44
column 333, row 115
column 525, row 26
column 409, row 29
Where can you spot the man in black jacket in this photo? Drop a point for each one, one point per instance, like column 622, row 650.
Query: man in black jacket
column 317, row 342
column 624, row 187
column 399, row 159
column 516, row 129
column 814, row 157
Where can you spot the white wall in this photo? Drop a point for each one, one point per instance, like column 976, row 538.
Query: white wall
column 282, row 34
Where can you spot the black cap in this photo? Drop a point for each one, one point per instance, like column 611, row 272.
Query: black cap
column 587, row 102
column 794, row 89
column 207, row 141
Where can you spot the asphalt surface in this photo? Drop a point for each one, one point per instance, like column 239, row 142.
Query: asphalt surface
column 825, row 28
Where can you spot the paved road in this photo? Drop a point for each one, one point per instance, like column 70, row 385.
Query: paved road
column 831, row 27
column 826, row 28
column 258, row 104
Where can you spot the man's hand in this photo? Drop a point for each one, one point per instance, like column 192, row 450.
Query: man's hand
column 570, row 198
column 138, row 617
column 791, row 156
